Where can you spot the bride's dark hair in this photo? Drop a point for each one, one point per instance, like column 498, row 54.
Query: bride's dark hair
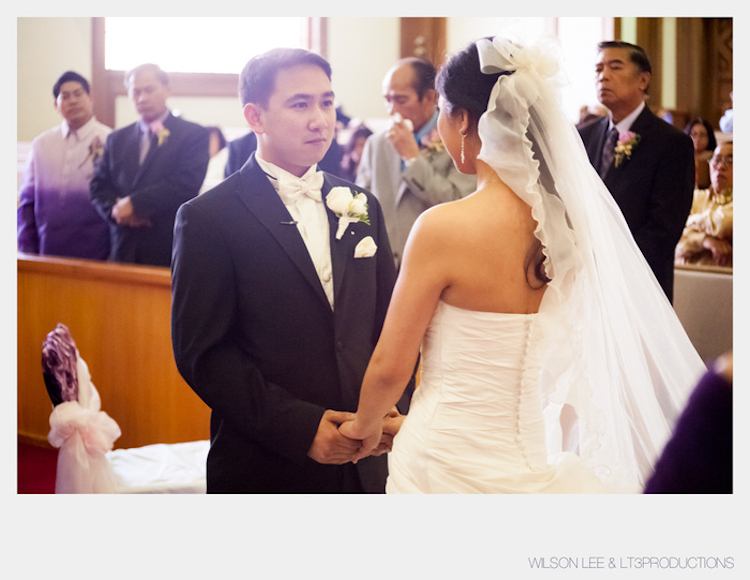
column 463, row 86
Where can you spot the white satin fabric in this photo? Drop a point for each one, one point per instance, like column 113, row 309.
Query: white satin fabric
column 475, row 424
column 610, row 344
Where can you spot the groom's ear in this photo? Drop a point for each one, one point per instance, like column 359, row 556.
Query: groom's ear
column 253, row 116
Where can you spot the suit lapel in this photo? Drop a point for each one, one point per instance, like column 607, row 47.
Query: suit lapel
column 598, row 143
column 399, row 186
column 155, row 150
column 643, row 120
column 260, row 198
column 340, row 249
column 639, row 126
column 130, row 148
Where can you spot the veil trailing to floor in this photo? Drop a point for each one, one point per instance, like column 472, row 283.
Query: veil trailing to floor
column 612, row 348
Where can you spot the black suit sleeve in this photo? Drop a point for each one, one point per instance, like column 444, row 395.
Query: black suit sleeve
column 102, row 190
column 672, row 197
column 208, row 351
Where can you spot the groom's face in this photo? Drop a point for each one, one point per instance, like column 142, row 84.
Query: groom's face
column 296, row 127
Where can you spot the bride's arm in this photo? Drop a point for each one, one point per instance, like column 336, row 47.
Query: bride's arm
column 420, row 283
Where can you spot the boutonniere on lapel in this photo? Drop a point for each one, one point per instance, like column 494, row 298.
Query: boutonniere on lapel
column 349, row 208
column 432, row 143
column 96, row 150
column 626, row 142
column 161, row 132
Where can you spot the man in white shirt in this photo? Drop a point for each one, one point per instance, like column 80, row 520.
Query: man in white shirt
column 55, row 215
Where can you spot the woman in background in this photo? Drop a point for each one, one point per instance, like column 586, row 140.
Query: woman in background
column 704, row 143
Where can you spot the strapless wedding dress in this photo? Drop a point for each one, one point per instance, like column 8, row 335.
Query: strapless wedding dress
column 475, row 424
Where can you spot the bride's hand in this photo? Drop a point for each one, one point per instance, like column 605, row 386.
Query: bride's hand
column 368, row 435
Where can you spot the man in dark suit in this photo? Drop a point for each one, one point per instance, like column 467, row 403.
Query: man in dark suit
column 645, row 162
column 279, row 293
column 147, row 171
column 239, row 151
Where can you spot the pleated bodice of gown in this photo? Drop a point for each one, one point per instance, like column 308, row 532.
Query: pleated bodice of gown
column 475, row 424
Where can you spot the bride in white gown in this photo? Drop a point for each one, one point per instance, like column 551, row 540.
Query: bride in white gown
column 551, row 360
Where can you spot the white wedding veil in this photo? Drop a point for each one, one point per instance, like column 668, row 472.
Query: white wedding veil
column 612, row 347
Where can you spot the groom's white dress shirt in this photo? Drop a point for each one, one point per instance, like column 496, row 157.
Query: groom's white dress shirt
column 303, row 200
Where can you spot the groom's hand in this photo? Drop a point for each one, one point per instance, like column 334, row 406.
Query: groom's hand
column 331, row 446
column 391, row 424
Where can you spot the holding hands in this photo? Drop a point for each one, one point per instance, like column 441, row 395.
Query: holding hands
column 341, row 437
column 375, row 438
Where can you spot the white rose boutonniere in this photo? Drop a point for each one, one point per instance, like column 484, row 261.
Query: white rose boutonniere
column 348, row 208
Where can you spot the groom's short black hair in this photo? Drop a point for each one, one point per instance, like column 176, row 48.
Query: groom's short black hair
column 258, row 78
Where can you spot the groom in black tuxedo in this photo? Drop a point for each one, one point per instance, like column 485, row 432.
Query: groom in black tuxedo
column 651, row 178
column 277, row 304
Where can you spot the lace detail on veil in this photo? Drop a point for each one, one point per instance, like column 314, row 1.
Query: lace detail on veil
column 611, row 346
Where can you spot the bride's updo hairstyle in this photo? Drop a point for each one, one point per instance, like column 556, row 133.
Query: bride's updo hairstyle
column 464, row 86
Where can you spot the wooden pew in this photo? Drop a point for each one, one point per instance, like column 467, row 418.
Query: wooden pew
column 703, row 301
column 119, row 316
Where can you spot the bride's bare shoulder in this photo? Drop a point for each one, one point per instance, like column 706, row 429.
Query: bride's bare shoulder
column 451, row 211
column 439, row 220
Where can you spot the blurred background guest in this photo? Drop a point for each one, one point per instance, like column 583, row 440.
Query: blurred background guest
column 704, row 143
column 55, row 216
column 698, row 458
column 218, row 153
column 353, row 152
column 726, row 123
column 147, row 171
column 707, row 237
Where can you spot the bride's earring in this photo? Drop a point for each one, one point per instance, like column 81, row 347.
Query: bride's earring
column 463, row 155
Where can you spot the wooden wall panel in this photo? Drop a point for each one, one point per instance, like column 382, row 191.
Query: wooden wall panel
column 424, row 38
column 119, row 317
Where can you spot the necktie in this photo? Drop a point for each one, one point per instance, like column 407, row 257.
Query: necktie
column 608, row 153
column 147, row 137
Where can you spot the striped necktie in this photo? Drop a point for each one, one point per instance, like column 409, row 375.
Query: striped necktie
column 608, row 153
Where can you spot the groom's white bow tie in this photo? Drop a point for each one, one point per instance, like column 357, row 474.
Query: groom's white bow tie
column 291, row 188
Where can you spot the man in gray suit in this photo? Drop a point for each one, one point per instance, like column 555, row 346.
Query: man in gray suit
column 407, row 167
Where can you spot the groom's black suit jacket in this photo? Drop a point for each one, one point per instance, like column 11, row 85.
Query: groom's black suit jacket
column 654, row 188
column 255, row 337
column 171, row 174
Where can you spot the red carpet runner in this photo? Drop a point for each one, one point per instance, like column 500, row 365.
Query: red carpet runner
column 37, row 467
